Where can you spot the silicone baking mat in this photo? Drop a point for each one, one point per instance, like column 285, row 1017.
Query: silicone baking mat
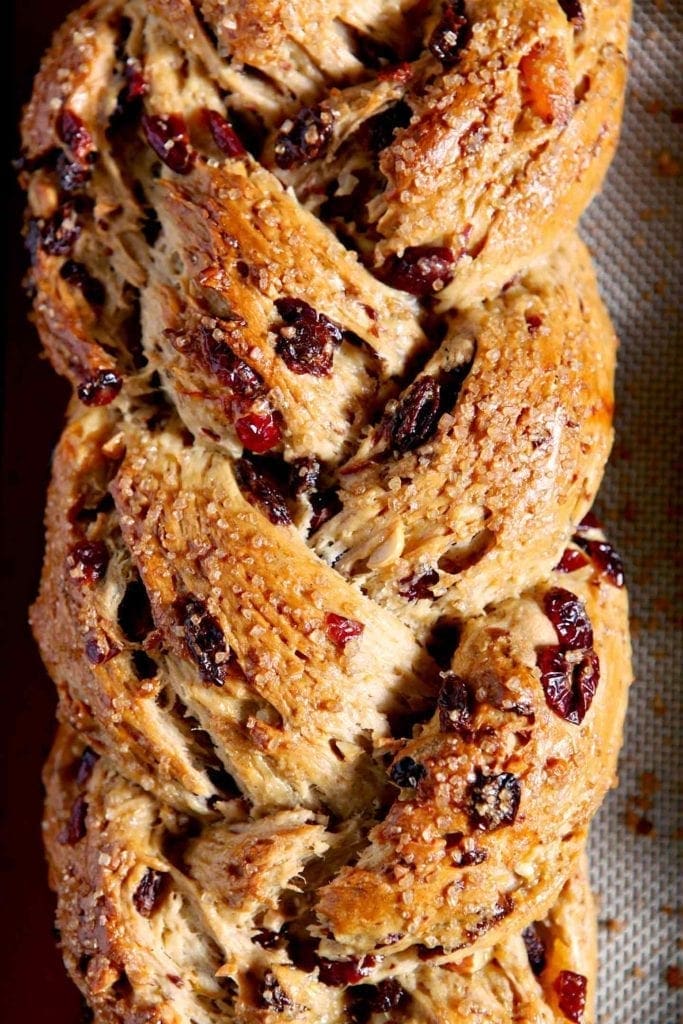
column 635, row 230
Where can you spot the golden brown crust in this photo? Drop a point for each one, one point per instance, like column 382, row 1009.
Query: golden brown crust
column 343, row 399
column 158, row 921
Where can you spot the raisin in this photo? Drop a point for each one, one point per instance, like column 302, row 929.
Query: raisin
column 144, row 667
column 72, row 176
column 91, row 288
column 418, row 586
column 57, row 235
column 338, row 973
column 73, row 133
column 365, row 1000
column 168, row 136
column 455, row 704
column 451, row 34
column 568, row 615
column 306, row 340
column 204, row 638
column 341, row 630
column 381, row 128
column 569, row 685
column 134, row 613
column 494, row 800
column 148, row 894
column 87, row 762
column 571, row 561
column 224, row 135
column 407, row 773
column 273, row 996
column 605, row 559
column 89, row 560
column 258, row 431
column 416, row 416
column 324, row 504
column 571, row 995
column 101, row 389
column 534, row 950
column 304, row 138
column 574, row 12
column 261, row 485
column 422, row 270
column 304, row 474
column 471, row 857
column 74, row 830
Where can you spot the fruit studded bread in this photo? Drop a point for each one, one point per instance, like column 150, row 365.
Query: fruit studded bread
column 342, row 652
column 148, row 908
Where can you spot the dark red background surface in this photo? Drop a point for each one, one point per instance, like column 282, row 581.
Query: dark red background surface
column 33, row 986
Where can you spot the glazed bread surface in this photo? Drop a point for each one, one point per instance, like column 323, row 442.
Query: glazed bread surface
column 342, row 654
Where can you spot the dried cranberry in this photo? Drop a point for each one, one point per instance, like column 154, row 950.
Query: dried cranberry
column 571, row 561
column 407, row 773
column 416, row 416
column 418, row 586
column 262, row 486
column 494, row 800
column 258, row 431
column 90, row 559
column 568, row 615
column 535, row 950
column 571, row 995
column 168, row 136
column 304, row 137
column 574, row 12
column 72, row 176
column 220, row 359
column 341, row 630
column 422, row 270
column 73, row 133
column 306, row 340
column 148, row 894
column 136, row 86
column 273, row 996
column 100, row 390
column 569, row 685
column 224, row 135
column 134, row 613
column 87, row 762
column 204, row 638
column 74, row 830
column 451, row 34
column 345, row 972
column 99, row 649
column 91, row 288
column 382, row 127
column 455, row 704
column 605, row 559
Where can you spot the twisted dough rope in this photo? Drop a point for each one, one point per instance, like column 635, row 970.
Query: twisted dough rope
column 332, row 423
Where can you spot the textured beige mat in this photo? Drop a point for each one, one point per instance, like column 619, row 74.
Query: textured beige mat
column 635, row 230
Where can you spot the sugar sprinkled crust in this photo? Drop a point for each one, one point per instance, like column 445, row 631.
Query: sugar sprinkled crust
column 319, row 592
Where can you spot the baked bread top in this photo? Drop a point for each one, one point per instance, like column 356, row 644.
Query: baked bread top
column 163, row 921
column 319, row 580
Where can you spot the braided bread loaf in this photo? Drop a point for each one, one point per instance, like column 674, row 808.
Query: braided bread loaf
column 342, row 660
